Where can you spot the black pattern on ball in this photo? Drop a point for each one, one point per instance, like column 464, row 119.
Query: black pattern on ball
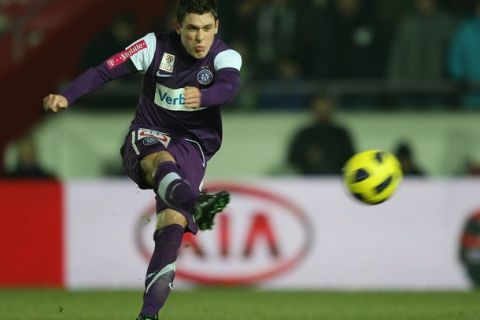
column 360, row 175
column 359, row 196
column 382, row 186
column 379, row 156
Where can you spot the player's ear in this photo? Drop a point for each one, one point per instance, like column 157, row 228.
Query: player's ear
column 217, row 23
column 177, row 27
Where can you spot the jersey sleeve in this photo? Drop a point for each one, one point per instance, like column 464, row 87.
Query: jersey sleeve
column 142, row 52
column 228, row 59
column 138, row 56
column 227, row 66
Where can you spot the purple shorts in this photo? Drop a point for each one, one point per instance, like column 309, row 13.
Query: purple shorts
column 188, row 155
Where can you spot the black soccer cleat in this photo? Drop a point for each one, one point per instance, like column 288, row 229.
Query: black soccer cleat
column 142, row 317
column 207, row 206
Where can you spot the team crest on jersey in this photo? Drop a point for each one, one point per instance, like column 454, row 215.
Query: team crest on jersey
column 205, row 76
column 168, row 60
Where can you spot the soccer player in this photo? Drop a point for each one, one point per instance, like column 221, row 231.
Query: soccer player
column 188, row 74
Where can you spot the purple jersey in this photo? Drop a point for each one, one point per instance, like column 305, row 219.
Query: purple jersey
column 167, row 69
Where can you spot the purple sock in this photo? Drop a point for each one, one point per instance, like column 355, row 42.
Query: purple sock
column 161, row 270
column 173, row 189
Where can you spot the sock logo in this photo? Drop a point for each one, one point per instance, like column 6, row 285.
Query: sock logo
column 167, row 271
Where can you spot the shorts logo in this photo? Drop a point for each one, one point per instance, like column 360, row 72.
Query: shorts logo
column 168, row 60
column 148, row 141
column 205, row 76
column 151, row 137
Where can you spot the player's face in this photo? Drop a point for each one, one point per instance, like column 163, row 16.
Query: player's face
column 197, row 33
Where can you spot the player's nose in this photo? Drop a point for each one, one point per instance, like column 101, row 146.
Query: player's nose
column 199, row 36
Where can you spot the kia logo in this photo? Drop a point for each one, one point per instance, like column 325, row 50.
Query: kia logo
column 260, row 235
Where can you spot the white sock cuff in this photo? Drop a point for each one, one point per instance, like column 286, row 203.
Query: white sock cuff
column 164, row 183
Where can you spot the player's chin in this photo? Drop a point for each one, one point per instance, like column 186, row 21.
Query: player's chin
column 200, row 54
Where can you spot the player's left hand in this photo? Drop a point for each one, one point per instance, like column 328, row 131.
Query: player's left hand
column 193, row 97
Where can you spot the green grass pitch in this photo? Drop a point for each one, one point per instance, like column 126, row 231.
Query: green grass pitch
column 241, row 304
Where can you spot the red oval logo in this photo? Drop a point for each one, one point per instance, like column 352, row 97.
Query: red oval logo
column 259, row 236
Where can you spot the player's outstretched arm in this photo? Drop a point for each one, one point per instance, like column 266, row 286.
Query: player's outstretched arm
column 55, row 102
column 223, row 90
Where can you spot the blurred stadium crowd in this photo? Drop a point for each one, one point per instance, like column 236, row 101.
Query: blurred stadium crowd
column 376, row 53
column 360, row 55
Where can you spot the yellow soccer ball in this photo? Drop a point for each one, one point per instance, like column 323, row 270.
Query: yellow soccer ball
column 372, row 176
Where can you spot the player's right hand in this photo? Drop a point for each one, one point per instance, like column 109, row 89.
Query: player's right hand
column 193, row 97
column 55, row 102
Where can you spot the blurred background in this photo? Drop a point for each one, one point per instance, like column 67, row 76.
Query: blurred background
column 396, row 75
column 321, row 80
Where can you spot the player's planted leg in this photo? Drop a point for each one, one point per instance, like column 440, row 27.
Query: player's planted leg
column 142, row 317
column 161, row 270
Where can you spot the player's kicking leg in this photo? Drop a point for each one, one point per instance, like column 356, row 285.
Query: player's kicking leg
column 162, row 172
column 207, row 206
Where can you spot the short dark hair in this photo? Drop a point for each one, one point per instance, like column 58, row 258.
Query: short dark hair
column 185, row 7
